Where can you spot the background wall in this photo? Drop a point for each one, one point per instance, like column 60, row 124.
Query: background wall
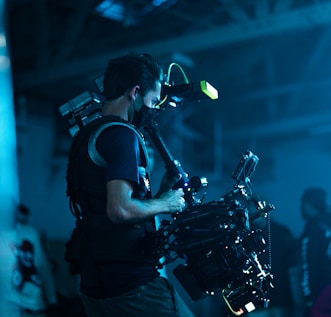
column 42, row 178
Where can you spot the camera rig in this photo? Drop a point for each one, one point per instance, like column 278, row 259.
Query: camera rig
column 221, row 253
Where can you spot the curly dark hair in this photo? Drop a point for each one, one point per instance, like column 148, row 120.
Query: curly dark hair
column 129, row 70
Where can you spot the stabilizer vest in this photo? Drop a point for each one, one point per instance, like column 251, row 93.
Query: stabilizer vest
column 86, row 178
column 86, row 167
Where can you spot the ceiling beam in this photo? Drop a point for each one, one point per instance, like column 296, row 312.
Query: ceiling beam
column 281, row 127
column 306, row 17
column 307, row 70
column 273, row 91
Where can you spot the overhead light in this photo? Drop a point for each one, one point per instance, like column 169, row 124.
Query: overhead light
column 119, row 11
column 111, row 9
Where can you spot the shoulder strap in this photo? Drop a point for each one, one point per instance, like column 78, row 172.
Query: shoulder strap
column 93, row 152
column 91, row 131
column 84, row 132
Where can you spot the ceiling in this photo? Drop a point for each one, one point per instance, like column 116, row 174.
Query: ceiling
column 269, row 59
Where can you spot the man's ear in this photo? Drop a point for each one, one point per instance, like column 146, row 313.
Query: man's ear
column 133, row 93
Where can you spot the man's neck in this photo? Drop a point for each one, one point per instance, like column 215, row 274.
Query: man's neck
column 118, row 107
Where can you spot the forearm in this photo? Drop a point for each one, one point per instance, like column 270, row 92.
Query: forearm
column 137, row 210
column 122, row 207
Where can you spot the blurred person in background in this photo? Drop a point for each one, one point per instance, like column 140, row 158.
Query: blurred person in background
column 32, row 280
column 315, row 263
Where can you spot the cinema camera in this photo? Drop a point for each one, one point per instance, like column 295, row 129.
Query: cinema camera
column 221, row 253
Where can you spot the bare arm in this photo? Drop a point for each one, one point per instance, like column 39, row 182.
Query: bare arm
column 121, row 207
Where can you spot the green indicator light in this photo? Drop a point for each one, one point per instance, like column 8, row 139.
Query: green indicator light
column 208, row 90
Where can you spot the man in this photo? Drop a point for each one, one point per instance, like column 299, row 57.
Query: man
column 315, row 263
column 110, row 193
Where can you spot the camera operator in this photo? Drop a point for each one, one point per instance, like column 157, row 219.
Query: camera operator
column 109, row 191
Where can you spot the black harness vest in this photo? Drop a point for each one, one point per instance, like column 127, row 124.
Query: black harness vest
column 107, row 242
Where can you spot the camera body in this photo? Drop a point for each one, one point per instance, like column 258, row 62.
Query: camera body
column 221, row 254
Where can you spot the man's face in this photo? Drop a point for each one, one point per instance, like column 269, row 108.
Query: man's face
column 152, row 98
column 142, row 110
